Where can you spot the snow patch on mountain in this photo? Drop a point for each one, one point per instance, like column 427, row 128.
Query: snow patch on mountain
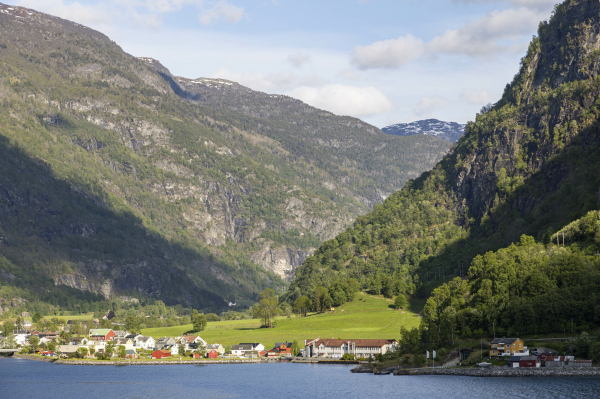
column 449, row 131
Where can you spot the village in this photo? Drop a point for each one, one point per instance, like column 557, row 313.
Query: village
column 73, row 340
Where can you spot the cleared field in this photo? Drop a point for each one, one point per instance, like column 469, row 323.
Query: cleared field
column 365, row 317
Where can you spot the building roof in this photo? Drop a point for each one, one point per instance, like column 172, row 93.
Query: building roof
column 358, row 343
column 242, row 347
column 213, row 346
column 120, row 341
column 190, row 338
column 559, row 358
column 130, row 352
column 287, row 344
column 504, row 340
column 143, row 338
column 254, row 344
column 100, row 332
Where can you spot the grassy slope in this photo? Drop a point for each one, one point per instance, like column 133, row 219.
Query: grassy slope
column 370, row 317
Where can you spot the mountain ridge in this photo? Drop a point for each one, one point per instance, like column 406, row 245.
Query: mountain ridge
column 449, row 131
column 183, row 195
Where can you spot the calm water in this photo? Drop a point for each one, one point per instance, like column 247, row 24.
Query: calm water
column 31, row 379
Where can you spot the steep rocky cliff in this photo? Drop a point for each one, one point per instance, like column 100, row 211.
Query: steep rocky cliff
column 529, row 165
column 124, row 179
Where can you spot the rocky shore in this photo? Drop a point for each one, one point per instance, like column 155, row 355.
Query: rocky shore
column 484, row 372
column 505, row 372
column 134, row 362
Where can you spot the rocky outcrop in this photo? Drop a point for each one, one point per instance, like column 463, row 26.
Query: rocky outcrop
column 282, row 261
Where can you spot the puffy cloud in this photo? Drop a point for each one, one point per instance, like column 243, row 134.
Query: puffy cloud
column 344, row 100
column 298, row 59
column 475, row 97
column 388, row 53
column 481, row 37
column 222, row 10
column 428, row 105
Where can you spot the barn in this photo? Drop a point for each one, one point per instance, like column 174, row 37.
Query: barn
column 159, row 354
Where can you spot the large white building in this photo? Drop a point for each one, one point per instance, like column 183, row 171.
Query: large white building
column 336, row 348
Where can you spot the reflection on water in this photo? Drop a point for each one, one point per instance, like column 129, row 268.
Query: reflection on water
column 30, row 379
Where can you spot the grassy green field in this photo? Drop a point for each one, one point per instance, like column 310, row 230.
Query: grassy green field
column 365, row 317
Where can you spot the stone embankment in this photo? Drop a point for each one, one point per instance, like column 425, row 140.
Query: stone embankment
column 134, row 362
column 504, row 372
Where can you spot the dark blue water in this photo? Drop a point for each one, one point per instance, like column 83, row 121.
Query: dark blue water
column 31, row 379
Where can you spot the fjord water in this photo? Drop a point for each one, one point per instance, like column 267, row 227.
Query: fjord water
column 31, row 379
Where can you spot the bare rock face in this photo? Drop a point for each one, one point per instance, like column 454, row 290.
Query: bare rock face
column 81, row 282
column 282, row 261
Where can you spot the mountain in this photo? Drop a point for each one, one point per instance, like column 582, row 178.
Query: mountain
column 449, row 131
column 527, row 166
column 122, row 179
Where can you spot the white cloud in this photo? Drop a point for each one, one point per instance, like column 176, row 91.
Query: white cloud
column 298, row 59
column 475, row 97
column 344, row 100
column 482, row 37
column 388, row 53
column 428, row 106
column 222, row 10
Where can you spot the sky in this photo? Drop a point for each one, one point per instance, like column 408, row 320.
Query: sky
column 383, row 61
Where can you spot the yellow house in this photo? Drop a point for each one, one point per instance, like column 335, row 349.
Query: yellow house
column 508, row 347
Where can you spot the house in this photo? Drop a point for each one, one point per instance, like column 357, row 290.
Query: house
column 21, row 337
column 131, row 354
column 508, row 347
column 239, row 350
column 159, row 354
column 191, row 341
column 102, row 334
column 336, row 348
column 144, row 342
column 120, row 333
column 197, row 355
column 523, row 361
column 126, row 342
column 281, row 348
column 543, row 353
column 26, row 324
column 217, row 347
column 212, row 354
column 165, row 341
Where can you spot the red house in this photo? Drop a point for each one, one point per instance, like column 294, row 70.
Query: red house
column 281, row 348
column 159, row 354
column 102, row 334
column 523, row 361
column 213, row 354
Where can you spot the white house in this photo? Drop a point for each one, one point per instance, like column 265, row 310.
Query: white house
column 239, row 350
column 21, row 337
column 144, row 343
column 191, row 341
column 336, row 348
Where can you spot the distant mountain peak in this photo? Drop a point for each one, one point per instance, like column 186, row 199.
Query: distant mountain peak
column 449, row 131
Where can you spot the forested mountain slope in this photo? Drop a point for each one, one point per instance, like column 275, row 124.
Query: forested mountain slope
column 527, row 166
column 118, row 180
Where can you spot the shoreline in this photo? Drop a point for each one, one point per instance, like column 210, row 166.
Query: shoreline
column 79, row 362
column 134, row 362
column 484, row 372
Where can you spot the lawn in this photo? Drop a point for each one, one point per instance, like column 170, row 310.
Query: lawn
column 366, row 317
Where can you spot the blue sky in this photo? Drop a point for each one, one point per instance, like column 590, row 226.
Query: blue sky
column 382, row 61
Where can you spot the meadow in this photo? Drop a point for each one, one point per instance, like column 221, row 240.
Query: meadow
column 367, row 317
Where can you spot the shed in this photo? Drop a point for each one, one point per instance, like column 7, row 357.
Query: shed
column 464, row 353
column 212, row 354
column 159, row 354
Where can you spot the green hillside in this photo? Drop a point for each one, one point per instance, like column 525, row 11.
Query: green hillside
column 529, row 165
column 367, row 317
